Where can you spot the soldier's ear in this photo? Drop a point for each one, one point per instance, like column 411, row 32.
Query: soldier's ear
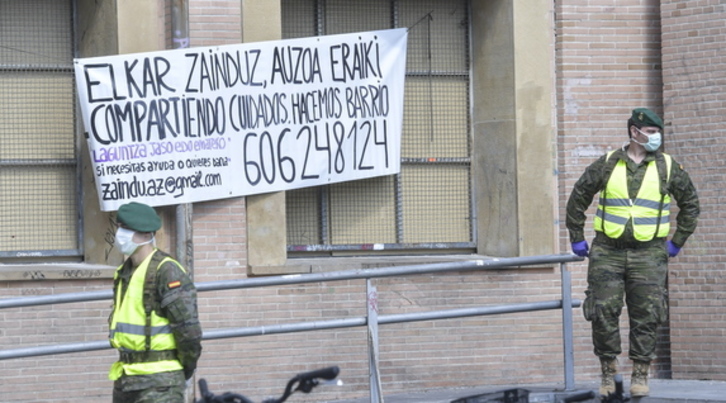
column 631, row 130
column 630, row 127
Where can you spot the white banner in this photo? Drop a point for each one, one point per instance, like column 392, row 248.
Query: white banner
column 188, row 125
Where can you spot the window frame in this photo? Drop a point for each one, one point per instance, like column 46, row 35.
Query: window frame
column 322, row 197
column 70, row 254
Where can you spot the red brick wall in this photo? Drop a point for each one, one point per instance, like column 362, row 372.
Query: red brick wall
column 610, row 60
column 55, row 378
column 694, row 98
column 214, row 22
column 608, row 63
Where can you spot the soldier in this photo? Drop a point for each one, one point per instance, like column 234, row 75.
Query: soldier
column 154, row 322
column 629, row 255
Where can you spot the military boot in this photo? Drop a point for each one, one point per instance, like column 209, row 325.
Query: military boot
column 639, row 379
column 609, row 367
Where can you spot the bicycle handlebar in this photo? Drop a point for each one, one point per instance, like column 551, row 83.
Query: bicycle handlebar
column 305, row 382
column 329, row 373
column 203, row 389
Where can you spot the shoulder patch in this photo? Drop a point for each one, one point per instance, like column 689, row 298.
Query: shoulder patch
column 174, row 284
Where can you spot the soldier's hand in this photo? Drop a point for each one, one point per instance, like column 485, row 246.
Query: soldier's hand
column 580, row 248
column 673, row 250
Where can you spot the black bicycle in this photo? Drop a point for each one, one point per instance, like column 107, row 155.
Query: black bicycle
column 304, row 382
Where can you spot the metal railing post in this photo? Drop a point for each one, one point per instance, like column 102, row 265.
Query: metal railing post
column 568, row 345
column 372, row 316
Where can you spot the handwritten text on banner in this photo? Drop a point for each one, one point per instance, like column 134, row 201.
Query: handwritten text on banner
column 198, row 124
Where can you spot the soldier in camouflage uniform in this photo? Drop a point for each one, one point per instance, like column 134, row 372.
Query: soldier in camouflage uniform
column 629, row 255
column 154, row 323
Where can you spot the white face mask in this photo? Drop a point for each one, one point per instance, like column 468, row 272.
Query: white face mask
column 125, row 241
column 654, row 141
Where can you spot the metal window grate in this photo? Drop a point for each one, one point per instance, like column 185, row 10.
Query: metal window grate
column 39, row 213
column 429, row 204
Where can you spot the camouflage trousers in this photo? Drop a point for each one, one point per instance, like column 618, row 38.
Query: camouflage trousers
column 638, row 276
column 165, row 387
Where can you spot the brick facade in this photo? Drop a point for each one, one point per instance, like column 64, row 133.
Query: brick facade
column 694, row 100
column 665, row 56
column 608, row 62
column 214, row 22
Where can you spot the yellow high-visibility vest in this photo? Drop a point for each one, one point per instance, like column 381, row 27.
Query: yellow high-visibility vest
column 128, row 328
column 649, row 211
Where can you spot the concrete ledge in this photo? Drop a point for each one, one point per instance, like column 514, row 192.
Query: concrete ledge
column 55, row 271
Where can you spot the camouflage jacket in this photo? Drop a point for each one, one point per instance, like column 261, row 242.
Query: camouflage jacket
column 594, row 180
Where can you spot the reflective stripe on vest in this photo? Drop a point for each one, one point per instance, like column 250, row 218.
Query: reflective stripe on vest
column 615, row 208
column 128, row 326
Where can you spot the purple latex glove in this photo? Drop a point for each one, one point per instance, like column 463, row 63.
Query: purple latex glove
column 580, row 248
column 672, row 249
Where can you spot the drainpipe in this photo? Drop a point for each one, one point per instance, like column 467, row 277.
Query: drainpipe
column 184, row 240
column 180, row 24
column 185, row 256
column 184, row 244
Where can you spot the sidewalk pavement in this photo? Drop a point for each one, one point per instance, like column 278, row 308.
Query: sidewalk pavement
column 661, row 390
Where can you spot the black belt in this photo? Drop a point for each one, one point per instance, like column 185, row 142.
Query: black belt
column 629, row 244
column 131, row 357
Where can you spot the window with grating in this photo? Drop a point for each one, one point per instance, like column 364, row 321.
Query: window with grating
column 428, row 206
column 39, row 197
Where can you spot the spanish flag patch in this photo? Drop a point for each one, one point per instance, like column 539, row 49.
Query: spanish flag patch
column 174, row 284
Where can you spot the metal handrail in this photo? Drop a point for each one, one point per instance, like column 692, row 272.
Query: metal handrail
column 356, row 274
column 566, row 303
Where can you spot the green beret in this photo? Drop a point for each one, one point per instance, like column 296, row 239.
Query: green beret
column 646, row 117
column 138, row 217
